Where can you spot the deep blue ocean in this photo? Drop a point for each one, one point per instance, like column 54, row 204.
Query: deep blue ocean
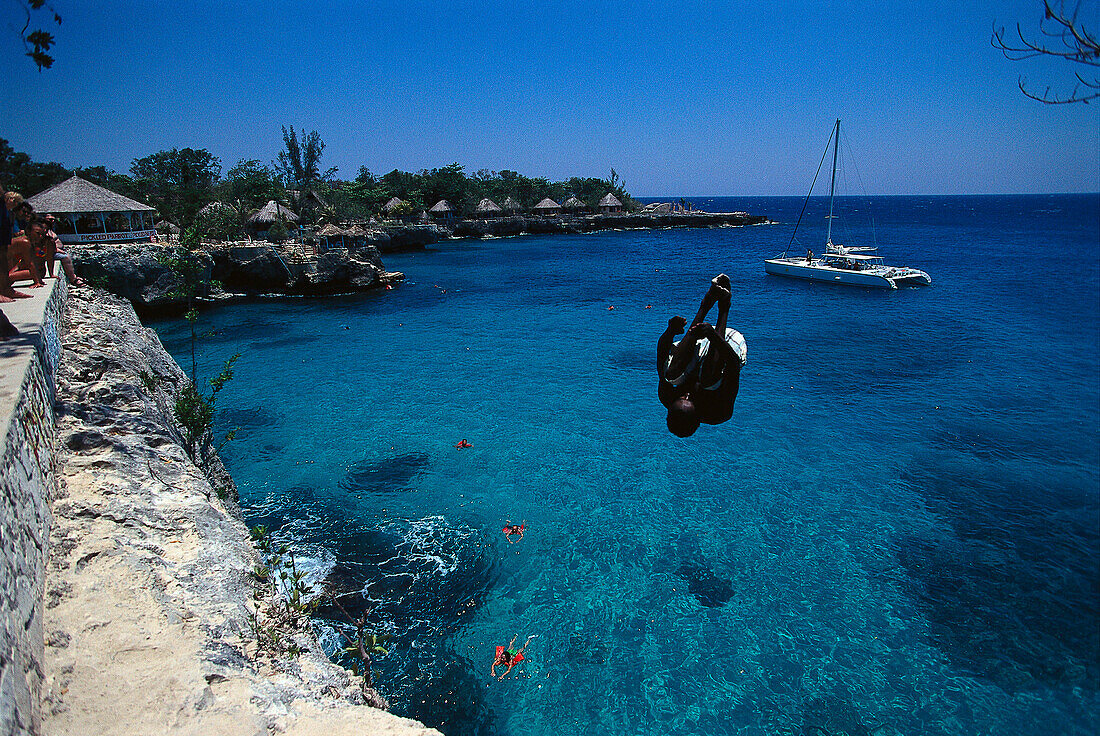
column 897, row 532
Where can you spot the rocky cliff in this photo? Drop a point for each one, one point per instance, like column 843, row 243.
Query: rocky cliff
column 139, row 272
column 147, row 620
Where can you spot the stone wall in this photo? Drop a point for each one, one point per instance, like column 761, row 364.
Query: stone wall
column 27, row 483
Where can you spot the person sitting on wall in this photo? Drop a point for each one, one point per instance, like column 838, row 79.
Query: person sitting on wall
column 21, row 263
column 7, row 293
column 55, row 251
column 700, row 375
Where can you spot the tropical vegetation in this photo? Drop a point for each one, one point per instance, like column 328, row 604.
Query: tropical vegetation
column 183, row 183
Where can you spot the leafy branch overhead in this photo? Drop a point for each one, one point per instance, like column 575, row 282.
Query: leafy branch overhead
column 1062, row 36
column 38, row 41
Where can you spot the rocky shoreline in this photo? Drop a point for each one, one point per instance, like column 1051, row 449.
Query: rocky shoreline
column 522, row 225
column 138, row 271
column 147, row 619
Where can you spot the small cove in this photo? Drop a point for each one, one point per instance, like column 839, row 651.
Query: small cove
column 897, row 533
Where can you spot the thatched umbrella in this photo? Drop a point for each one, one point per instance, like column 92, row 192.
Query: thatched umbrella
column 167, row 227
column 271, row 212
column 511, row 205
column 330, row 231
column 610, row 203
column 547, row 207
column 442, row 209
column 574, row 205
column 488, row 207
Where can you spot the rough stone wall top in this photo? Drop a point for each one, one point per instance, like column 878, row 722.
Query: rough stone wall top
column 27, row 364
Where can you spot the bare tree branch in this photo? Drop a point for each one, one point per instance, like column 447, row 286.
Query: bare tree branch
column 1079, row 45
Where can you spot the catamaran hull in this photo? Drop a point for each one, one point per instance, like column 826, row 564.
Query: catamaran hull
column 879, row 278
column 785, row 267
column 912, row 277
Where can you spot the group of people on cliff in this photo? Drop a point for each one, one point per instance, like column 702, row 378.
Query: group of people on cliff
column 29, row 250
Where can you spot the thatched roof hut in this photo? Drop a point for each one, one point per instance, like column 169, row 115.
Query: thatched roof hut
column 330, row 231
column 215, row 208
column 308, row 199
column 87, row 212
column 442, row 210
column 79, row 195
column 511, row 205
column 355, row 231
column 271, row 212
column 392, row 204
column 488, row 208
column 167, row 227
column 610, row 203
column 574, row 205
column 547, row 207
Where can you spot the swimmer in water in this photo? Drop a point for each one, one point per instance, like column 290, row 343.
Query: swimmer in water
column 514, row 530
column 463, row 444
column 509, row 657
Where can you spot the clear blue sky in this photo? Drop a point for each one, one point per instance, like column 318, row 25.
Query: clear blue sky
column 690, row 98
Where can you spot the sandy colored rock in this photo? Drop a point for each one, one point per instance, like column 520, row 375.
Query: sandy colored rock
column 147, row 588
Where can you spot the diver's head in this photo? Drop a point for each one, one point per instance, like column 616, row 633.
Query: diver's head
column 682, row 420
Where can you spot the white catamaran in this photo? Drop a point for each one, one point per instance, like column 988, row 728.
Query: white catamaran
column 839, row 264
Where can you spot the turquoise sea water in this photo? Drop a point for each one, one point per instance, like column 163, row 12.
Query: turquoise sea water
column 897, row 533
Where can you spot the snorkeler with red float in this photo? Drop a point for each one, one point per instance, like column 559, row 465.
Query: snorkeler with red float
column 514, row 530
column 509, row 657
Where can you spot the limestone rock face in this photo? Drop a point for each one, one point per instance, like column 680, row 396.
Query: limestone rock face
column 339, row 270
column 147, row 619
column 411, row 237
column 250, row 269
column 134, row 271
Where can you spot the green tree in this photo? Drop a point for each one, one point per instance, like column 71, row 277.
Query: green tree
column 194, row 408
column 449, row 183
column 178, row 182
column 299, row 163
column 219, row 220
column 357, row 199
column 104, row 177
column 19, row 173
column 251, row 183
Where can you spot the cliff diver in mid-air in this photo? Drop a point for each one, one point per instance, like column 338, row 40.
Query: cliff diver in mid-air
column 700, row 374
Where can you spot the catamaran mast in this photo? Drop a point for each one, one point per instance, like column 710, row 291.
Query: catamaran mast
column 832, row 184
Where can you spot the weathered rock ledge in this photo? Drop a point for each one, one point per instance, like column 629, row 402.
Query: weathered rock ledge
column 146, row 619
column 139, row 273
